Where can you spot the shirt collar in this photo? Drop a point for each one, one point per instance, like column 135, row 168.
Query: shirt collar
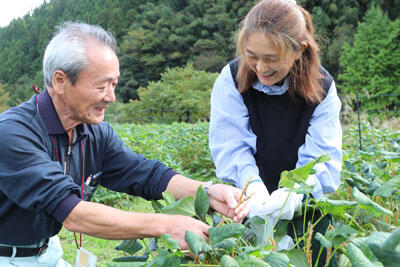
column 50, row 116
column 272, row 89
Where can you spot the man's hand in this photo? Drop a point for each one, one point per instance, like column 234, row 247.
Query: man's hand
column 224, row 199
column 177, row 225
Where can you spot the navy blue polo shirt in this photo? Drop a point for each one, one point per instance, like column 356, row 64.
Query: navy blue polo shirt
column 41, row 174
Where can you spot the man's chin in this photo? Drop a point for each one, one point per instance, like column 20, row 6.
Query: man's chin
column 96, row 120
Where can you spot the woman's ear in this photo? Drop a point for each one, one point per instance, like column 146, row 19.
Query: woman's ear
column 303, row 46
column 59, row 81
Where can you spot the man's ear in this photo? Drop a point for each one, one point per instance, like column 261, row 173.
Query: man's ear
column 59, row 81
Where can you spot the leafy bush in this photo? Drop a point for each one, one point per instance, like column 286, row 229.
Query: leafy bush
column 181, row 146
column 3, row 99
column 182, row 94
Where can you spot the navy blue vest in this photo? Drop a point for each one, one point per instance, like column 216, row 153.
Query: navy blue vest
column 280, row 124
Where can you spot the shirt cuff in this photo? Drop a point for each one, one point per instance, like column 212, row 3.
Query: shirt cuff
column 164, row 181
column 65, row 207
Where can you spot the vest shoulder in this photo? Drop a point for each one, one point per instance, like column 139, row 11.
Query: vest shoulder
column 327, row 79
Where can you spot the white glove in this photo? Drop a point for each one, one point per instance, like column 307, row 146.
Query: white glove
column 259, row 199
column 277, row 200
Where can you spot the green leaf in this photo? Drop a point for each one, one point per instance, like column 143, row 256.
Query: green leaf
column 368, row 204
column 226, row 244
column 391, row 156
column 389, row 258
column 393, row 240
column 168, row 197
column 340, row 234
column 324, row 242
column 131, row 259
column 335, row 207
column 297, row 258
column 228, row 261
column 356, row 177
column 357, row 257
column 129, row 246
column 277, row 259
column 126, row 264
column 254, row 262
column 367, row 155
column 184, row 206
column 201, row 203
column 299, row 176
column 303, row 190
column 217, row 234
column 156, row 206
column 165, row 259
column 196, row 243
column 384, row 245
column 281, row 230
column 169, row 242
column 349, row 166
column 387, row 188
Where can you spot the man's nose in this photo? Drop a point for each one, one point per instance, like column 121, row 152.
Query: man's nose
column 110, row 96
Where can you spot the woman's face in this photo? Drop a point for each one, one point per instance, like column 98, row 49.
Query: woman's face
column 266, row 61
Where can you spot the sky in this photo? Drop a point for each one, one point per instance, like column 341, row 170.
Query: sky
column 10, row 9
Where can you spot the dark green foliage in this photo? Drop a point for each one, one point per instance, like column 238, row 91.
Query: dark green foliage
column 182, row 94
column 173, row 145
column 372, row 62
column 155, row 35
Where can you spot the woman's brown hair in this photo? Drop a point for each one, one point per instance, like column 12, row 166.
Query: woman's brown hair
column 287, row 25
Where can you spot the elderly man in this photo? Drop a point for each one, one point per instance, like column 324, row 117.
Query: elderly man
column 52, row 143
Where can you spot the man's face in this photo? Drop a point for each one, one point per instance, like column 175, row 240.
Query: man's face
column 87, row 100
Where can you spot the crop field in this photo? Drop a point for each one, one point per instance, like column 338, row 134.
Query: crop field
column 365, row 229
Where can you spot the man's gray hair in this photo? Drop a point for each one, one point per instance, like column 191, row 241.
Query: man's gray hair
column 67, row 49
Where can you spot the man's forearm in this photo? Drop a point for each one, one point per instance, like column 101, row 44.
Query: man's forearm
column 180, row 186
column 105, row 222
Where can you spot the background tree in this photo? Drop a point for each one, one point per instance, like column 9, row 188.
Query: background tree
column 372, row 62
column 156, row 34
column 3, row 99
column 182, row 94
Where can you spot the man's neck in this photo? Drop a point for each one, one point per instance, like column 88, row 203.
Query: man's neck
column 64, row 115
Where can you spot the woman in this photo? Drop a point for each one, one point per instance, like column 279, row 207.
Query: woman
column 275, row 108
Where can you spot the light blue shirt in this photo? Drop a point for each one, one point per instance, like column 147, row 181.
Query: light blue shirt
column 233, row 144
